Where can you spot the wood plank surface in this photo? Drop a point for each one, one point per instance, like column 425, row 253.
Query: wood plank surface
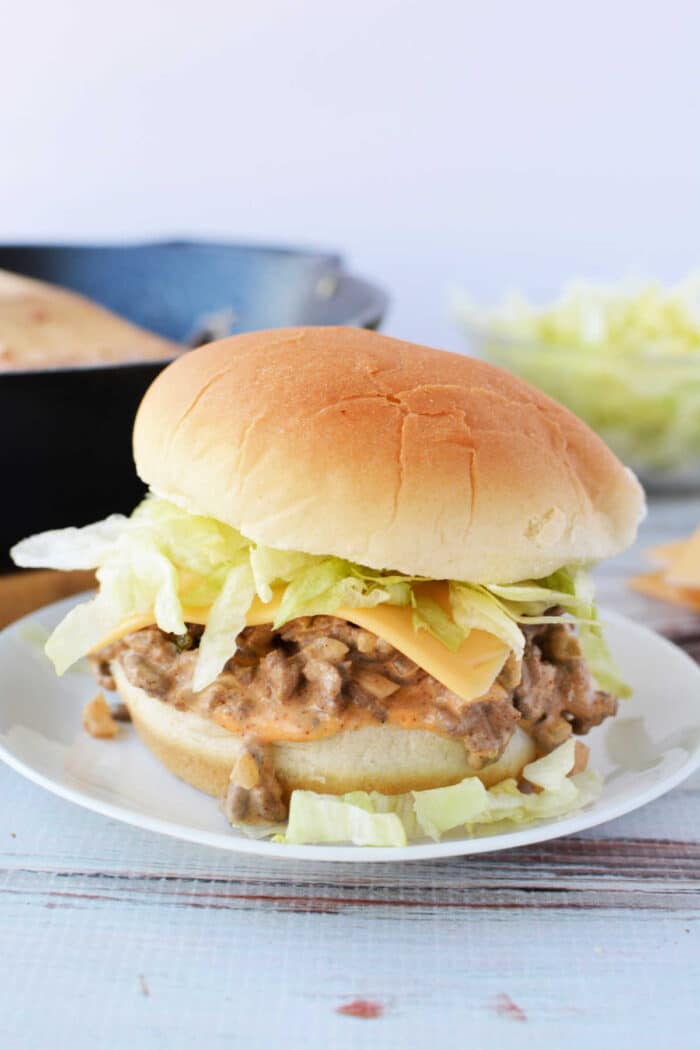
column 22, row 592
column 587, row 937
column 114, row 937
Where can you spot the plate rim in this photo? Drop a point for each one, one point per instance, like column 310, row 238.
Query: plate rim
column 344, row 853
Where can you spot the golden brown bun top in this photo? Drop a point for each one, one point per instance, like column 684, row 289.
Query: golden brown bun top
column 42, row 327
column 342, row 441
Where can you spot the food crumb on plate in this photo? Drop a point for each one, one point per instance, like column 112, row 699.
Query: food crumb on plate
column 97, row 718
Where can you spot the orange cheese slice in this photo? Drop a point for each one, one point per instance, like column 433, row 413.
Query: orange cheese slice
column 469, row 672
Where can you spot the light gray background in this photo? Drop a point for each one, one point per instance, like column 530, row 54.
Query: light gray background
column 487, row 144
column 484, row 142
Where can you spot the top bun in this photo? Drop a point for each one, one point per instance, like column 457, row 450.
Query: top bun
column 342, row 441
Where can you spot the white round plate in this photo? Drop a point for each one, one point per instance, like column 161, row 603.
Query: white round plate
column 652, row 745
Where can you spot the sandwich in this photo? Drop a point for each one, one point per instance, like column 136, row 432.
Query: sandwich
column 354, row 603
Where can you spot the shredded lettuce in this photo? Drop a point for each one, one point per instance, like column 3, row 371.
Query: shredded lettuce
column 325, row 584
column 578, row 586
column 71, row 548
column 226, row 620
column 324, row 818
column 551, row 771
column 428, row 615
column 268, row 564
column 372, row 819
column 481, row 608
column 81, row 630
column 441, row 809
column 163, row 559
column 624, row 357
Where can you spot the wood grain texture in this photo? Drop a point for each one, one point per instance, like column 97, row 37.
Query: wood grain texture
column 115, row 937
column 586, row 936
column 22, row 592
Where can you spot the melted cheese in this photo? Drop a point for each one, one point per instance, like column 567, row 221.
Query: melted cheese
column 469, row 672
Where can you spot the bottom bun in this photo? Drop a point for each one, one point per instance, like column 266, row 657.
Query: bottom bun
column 375, row 758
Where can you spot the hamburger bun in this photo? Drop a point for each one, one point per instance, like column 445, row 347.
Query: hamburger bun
column 376, row 758
column 342, row 441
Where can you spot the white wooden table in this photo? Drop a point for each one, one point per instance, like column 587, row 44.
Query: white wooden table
column 112, row 937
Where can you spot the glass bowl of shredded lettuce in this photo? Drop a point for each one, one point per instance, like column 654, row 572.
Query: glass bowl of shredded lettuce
column 624, row 357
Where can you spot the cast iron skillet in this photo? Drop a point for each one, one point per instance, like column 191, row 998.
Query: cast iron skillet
column 66, row 434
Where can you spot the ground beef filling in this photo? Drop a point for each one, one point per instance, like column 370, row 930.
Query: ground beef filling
column 319, row 675
column 556, row 695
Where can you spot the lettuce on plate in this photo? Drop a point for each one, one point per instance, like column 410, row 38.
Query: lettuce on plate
column 323, row 818
column 162, row 560
column 372, row 819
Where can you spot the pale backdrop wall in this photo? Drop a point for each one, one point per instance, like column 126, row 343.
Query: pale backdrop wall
column 484, row 142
